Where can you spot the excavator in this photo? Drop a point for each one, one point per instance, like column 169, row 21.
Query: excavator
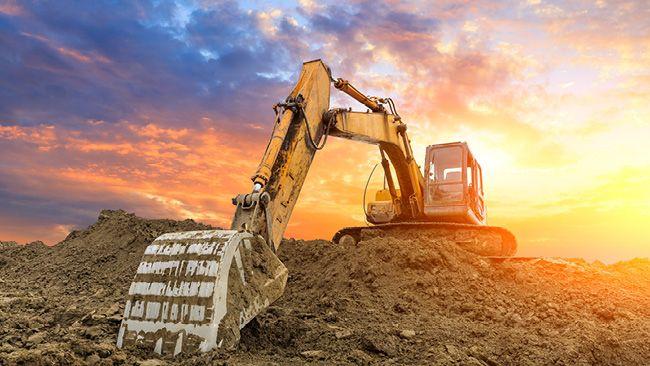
column 195, row 291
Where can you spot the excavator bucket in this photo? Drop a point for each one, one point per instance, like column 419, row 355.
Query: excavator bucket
column 195, row 290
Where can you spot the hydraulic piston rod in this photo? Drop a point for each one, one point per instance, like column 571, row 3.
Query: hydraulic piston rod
column 349, row 89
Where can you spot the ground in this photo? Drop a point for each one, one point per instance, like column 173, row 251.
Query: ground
column 408, row 300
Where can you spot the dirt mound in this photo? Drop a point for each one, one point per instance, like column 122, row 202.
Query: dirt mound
column 63, row 304
column 10, row 250
column 408, row 300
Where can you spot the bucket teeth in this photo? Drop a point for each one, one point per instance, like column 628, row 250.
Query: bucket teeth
column 195, row 290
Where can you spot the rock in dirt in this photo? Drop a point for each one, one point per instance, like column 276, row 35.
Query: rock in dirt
column 316, row 354
column 343, row 333
column 407, row 333
column 36, row 338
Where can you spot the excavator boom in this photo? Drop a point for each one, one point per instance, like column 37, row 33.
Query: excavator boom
column 287, row 158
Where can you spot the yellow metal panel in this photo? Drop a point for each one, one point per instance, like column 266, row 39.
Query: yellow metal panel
column 372, row 128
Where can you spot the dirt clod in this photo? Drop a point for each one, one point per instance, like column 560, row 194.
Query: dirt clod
column 420, row 299
column 343, row 333
column 317, row 354
column 407, row 333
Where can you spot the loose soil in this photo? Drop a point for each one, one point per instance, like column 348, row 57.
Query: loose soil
column 416, row 299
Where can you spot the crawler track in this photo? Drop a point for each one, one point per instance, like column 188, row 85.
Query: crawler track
column 489, row 241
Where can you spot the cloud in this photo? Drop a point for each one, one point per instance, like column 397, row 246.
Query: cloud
column 10, row 7
column 130, row 63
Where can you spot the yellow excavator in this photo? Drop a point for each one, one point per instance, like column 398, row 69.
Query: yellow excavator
column 195, row 291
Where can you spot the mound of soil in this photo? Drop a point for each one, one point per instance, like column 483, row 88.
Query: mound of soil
column 413, row 299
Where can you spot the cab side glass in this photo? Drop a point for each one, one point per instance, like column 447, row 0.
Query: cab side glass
column 445, row 175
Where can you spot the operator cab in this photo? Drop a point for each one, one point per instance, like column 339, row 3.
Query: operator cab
column 453, row 189
column 454, row 185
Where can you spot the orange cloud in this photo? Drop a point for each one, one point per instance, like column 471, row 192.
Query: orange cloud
column 10, row 7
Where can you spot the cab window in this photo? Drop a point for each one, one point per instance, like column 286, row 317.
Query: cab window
column 446, row 174
column 446, row 165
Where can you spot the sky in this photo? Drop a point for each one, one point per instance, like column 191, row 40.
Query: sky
column 163, row 108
